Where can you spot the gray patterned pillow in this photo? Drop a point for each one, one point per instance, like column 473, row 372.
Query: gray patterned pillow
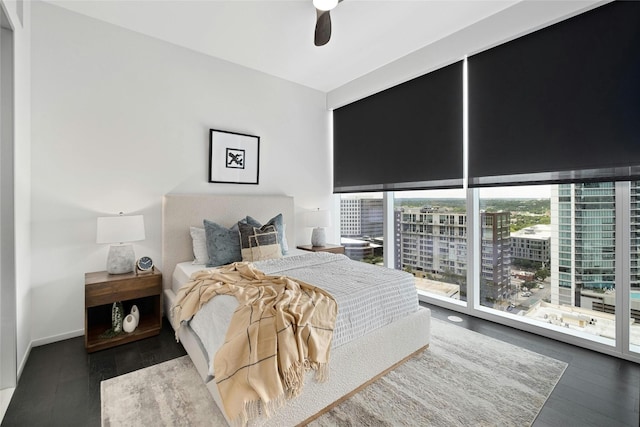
column 278, row 222
column 258, row 243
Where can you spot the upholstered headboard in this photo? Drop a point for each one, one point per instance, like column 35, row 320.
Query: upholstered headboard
column 181, row 211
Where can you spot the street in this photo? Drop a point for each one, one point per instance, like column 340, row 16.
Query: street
column 537, row 293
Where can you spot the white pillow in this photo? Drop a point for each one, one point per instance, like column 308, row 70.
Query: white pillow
column 285, row 245
column 200, row 254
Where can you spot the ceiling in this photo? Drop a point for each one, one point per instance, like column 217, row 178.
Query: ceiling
column 276, row 37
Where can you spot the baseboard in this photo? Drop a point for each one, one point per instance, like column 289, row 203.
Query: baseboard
column 56, row 338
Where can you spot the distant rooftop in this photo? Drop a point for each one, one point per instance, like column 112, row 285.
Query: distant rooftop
column 539, row 231
column 576, row 318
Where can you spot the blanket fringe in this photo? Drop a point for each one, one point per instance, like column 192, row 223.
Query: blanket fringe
column 293, row 379
column 322, row 372
column 256, row 408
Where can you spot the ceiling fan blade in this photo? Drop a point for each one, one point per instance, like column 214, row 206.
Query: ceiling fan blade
column 323, row 28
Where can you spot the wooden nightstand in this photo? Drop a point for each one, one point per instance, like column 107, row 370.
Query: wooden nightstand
column 101, row 290
column 336, row 249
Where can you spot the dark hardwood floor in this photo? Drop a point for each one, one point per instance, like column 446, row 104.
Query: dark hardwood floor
column 60, row 385
column 595, row 390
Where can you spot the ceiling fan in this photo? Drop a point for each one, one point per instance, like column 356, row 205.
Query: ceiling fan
column 323, row 21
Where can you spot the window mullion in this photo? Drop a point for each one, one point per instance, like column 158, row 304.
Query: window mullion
column 623, row 270
column 473, row 249
column 388, row 228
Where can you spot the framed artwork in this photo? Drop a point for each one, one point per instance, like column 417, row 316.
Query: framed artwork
column 233, row 157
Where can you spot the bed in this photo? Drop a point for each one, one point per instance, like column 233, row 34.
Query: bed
column 359, row 354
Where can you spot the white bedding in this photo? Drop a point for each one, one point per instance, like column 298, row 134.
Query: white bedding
column 368, row 296
column 184, row 270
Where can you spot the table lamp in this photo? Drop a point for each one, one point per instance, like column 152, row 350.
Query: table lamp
column 119, row 230
column 318, row 220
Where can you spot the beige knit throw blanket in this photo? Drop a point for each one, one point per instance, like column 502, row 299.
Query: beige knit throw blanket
column 281, row 329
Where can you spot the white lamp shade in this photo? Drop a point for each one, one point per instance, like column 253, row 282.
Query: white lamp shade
column 120, row 229
column 325, row 4
column 317, row 218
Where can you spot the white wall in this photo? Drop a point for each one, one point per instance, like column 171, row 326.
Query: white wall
column 120, row 119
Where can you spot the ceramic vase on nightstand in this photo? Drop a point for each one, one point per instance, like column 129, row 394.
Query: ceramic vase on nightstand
column 135, row 313
column 129, row 323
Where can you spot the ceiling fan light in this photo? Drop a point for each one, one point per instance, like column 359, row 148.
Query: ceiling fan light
column 325, row 4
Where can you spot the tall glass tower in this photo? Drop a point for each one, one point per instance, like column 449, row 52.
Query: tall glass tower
column 634, row 235
column 583, row 244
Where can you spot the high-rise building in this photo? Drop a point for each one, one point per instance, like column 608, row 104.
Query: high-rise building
column 582, row 240
column 431, row 241
column 361, row 226
column 350, row 217
column 371, row 218
column 532, row 243
column 634, row 235
column 496, row 256
column 361, row 217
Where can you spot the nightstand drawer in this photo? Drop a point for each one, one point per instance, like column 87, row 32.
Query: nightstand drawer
column 100, row 293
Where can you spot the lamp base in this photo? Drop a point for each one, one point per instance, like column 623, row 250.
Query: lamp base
column 121, row 259
column 318, row 237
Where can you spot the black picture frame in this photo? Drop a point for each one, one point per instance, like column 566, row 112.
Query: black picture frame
column 234, row 158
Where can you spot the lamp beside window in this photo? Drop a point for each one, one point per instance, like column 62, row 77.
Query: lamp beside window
column 119, row 231
column 318, row 220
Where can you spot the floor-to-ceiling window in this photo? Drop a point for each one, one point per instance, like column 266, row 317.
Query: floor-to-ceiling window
column 547, row 254
column 560, row 262
column 430, row 241
column 550, row 111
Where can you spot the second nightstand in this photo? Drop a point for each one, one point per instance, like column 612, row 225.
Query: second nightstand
column 336, row 249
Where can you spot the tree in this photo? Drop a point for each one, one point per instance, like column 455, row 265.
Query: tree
column 373, row 259
column 542, row 273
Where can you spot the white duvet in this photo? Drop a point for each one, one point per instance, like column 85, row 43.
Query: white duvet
column 368, row 296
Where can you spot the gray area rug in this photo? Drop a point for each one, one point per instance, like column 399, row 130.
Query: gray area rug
column 463, row 379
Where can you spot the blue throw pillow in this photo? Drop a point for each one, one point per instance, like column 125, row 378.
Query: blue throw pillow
column 223, row 244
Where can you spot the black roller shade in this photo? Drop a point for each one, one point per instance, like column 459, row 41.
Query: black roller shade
column 406, row 137
column 561, row 104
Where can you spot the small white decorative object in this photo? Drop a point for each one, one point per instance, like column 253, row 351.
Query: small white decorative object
column 129, row 323
column 135, row 313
